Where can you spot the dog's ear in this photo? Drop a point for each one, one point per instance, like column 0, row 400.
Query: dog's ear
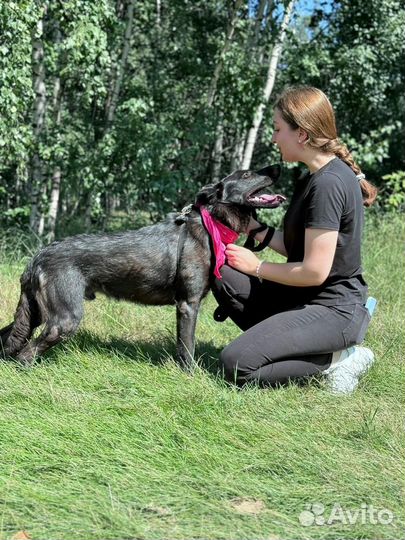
column 209, row 194
column 273, row 171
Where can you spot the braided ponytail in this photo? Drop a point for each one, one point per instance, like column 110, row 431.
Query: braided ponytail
column 335, row 146
column 308, row 108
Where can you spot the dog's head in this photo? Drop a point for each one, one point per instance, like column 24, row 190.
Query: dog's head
column 243, row 188
column 234, row 199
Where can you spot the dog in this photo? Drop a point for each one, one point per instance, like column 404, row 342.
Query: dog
column 169, row 263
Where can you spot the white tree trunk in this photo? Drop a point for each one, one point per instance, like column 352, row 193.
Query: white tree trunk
column 87, row 212
column 35, row 210
column 218, row 149
column 237, row 154
column 41, row 224
column 119, row 8
column 57, row 173
column 54, row 202
column 271, row 77
column 38, row 80
column 158, row 13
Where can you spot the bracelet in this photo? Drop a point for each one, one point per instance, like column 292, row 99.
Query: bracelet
column 259, row 277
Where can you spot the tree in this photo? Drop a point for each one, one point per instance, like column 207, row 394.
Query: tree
column 38, row 187
column 270, row 79
column 117, row 111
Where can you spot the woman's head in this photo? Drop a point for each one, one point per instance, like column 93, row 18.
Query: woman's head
column 310, row 118
column 308, row 108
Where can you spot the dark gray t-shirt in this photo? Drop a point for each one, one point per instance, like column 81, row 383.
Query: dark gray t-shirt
column 329, row 199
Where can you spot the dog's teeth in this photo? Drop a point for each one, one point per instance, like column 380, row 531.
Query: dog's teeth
column 267, row 199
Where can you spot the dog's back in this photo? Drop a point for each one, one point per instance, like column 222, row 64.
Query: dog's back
column 139, row 266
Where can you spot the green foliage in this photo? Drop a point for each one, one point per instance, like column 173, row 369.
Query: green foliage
column 17, row 212
column 159, row 148
column 392, row 194
column 17, row 20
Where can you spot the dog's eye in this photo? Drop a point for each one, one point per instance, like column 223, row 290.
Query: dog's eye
column 246, row 174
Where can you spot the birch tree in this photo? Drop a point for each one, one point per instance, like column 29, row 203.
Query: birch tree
column 218, row 149
column 56, row 177
column 271, row 77
column 57, row 171
column 38, row 67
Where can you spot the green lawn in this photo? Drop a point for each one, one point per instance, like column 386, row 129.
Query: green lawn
column 108, row 439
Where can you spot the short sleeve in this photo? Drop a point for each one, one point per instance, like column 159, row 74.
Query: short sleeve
column 326, row 201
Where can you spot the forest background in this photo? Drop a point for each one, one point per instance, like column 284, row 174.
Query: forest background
column 113, row 113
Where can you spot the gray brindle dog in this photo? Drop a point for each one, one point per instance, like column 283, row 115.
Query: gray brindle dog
column 167, row 263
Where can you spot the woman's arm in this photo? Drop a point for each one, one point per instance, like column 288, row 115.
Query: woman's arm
column 277, row 242
column 320, row 248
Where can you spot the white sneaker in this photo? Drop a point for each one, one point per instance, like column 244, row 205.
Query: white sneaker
column 346, row 368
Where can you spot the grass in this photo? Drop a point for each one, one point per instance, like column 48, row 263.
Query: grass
column 108, row 439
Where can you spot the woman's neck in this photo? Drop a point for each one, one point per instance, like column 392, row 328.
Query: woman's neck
column 314, row 161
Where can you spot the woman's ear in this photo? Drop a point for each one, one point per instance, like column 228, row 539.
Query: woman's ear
column 302, row 135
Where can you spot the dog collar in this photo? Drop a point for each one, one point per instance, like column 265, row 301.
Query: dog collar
column 221, row 235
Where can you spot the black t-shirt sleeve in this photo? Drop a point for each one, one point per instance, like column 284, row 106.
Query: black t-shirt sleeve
column 325, row 202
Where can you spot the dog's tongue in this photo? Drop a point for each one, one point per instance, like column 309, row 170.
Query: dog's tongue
column 269, row 198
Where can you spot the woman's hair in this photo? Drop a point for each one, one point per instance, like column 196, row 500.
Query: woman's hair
column 308, row 108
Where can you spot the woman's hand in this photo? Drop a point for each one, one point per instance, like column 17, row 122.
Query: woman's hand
column 241, row 259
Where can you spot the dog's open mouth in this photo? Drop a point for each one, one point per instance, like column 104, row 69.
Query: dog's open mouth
column 265, row 200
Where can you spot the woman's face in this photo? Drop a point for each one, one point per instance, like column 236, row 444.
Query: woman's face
column 286, row 138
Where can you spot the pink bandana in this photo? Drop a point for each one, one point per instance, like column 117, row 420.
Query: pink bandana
column 221, row 235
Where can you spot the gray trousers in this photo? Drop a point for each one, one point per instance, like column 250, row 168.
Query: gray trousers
column 281, row 340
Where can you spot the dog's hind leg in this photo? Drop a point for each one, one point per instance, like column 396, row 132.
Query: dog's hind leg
column 27, row 318
column 56, row 329
column 63, row 305
column 187, row 312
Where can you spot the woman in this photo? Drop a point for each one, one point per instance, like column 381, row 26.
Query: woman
column 296, row 314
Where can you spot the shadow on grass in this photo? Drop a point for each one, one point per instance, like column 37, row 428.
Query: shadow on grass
column 156, row 352
column 162, row 350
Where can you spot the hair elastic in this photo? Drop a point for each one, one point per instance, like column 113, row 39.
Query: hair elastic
column 360, row 176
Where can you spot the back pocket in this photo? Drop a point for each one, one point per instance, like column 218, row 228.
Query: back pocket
column 354, row 333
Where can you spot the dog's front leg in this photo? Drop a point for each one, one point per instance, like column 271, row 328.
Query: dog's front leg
column 187, row 312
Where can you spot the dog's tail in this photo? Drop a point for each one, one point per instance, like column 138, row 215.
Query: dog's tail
column 27, row 317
